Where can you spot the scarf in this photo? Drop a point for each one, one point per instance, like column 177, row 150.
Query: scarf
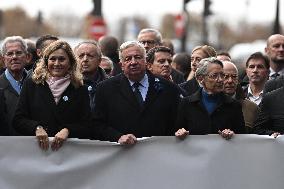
column 58, row 85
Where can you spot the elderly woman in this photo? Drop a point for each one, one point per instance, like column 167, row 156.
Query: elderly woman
column 198, row 53
column 209, row 110
column 54, row 102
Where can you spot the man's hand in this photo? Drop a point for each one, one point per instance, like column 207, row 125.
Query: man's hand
column 127, row 139
column 181, row 133
column 275, row 135
column 226, row 133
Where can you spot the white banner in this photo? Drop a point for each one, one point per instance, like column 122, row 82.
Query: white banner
column 199, row 162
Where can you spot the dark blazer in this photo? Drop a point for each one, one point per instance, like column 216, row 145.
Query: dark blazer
column 271, row 116
column 11, row 98
column 177, row 76
column 273, row 84
column 37, row 107
column 118, row 112
column 189, row 87
column 193, row 116
column 4, row 129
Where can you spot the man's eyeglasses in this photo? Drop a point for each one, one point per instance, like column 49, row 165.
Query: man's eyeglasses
column 16, row 53
column 149, row 42
column 215, row 76
column 232, row 76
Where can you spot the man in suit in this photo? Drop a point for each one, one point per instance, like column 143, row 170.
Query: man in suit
column 233, row 89
column 275, row 52
column 257, row 70
column 89, row 58
column 15, row 56
column 151, row 38
column 135, row 103
column 270, row 120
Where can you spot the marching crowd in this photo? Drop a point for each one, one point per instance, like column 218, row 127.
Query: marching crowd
column 105, row 91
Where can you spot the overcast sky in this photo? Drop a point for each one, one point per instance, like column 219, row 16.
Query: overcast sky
column 256, row 11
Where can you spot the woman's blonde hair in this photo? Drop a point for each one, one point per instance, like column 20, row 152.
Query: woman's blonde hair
column 208, row 50
column 41, row 72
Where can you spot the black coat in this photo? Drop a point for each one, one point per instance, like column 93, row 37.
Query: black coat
column 118, row 112
column 271, row 116
column 193, row 116
column 37, row 107
column 273, row 84
column 4, row 129
column 189, row 87
column 11, row 99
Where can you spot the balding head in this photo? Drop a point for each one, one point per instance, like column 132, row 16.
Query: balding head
column 275, row 51
column 231, row 78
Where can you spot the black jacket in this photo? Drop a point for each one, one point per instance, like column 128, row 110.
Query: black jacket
column 271, row 116
column 193, row 116
column 118, row 112
column 189, row 87
column 37, row 107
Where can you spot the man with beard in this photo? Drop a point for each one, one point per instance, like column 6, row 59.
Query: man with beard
column 275, row 52
column 257, row 69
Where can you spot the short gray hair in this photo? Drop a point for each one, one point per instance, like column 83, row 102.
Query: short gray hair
column 109, row 60
column 13, row 39
column 129, row 44
column 202, row 68
column 91, row 42
column 158, row 35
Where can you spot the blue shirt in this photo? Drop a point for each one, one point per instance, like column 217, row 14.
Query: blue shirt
column 17, row 85
column 143, row 87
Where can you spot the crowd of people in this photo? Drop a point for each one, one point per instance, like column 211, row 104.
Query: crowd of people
column 102, row 91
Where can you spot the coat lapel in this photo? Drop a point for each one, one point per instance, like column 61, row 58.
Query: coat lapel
column 126, row 91
column 153, row 90
column 6, row 84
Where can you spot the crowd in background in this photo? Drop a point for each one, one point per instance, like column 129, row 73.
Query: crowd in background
column 102, row 90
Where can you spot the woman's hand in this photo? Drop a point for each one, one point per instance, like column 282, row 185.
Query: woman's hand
column 226, row 133
column 275, row 135
column 181, row 133
column 59, row 138
column 42, row 138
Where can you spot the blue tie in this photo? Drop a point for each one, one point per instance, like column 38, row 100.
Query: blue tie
column 137, row 93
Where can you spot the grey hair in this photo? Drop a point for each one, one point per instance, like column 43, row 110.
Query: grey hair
column 13, row 39
column 202, row 68
column 129, row 44
column 91, row 42
column 109, row 60
column 158, row 35
column 231, row 63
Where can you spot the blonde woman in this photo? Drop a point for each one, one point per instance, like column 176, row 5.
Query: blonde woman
column 54, row 102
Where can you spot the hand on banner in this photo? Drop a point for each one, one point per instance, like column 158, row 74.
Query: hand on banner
column 42, row 138
column 127, row 139
column 181, row 133
column 275, row 135
column 226, row 133
column 59, row 138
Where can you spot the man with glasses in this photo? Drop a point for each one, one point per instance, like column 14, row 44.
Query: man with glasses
column 135, row 103
column 89, row 57
column 107, row 65
column 15, row 56
column 209, row 110
column 232, row 88
column 149, row 38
